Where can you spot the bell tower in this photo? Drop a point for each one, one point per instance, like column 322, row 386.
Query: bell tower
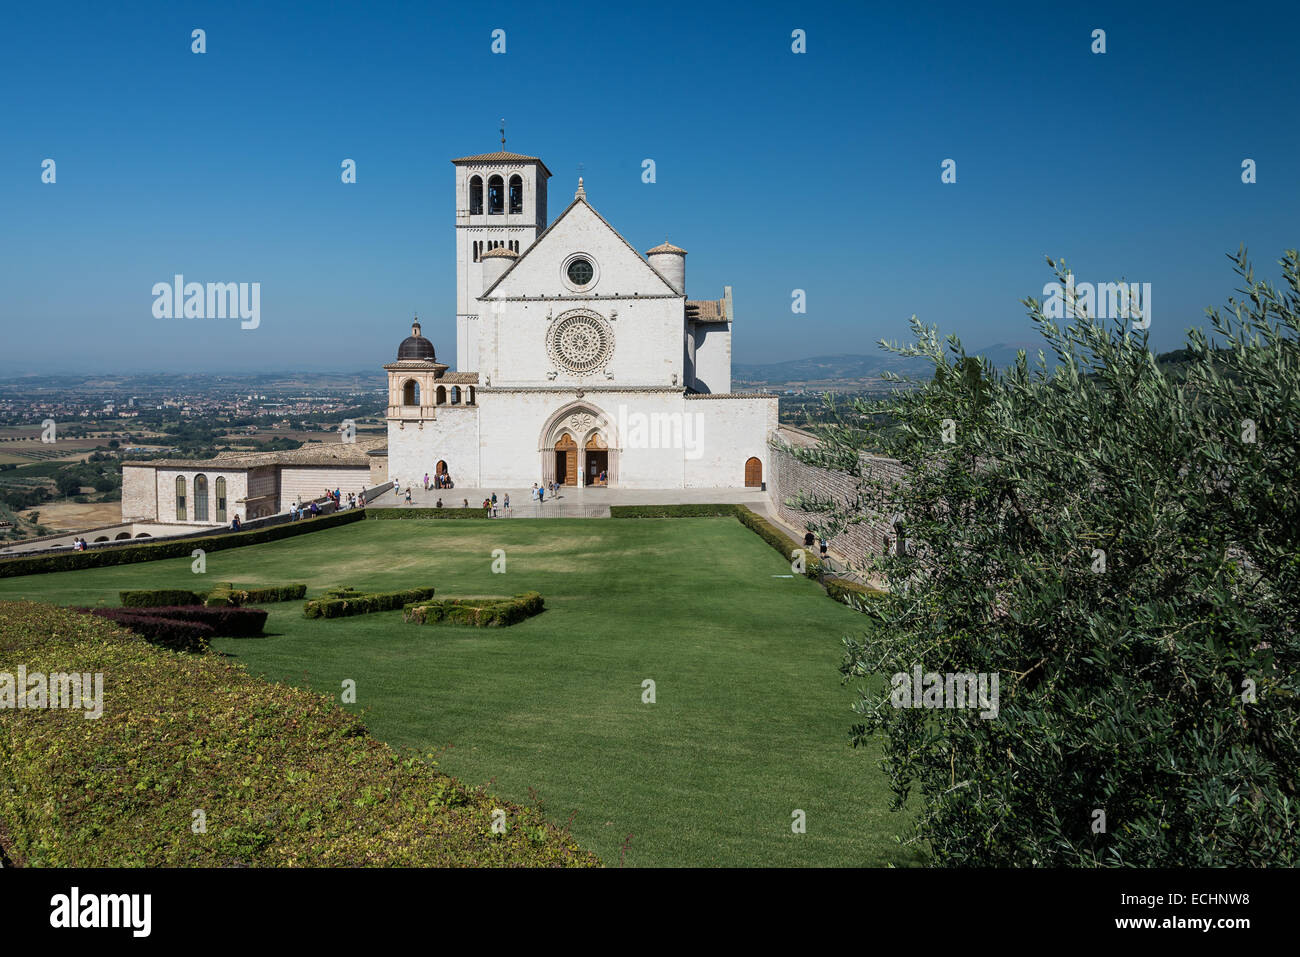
column 500, row 203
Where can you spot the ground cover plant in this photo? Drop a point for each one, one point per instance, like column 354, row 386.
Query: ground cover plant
column 194, row 762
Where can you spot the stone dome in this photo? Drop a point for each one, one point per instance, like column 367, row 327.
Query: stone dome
column 415, row 346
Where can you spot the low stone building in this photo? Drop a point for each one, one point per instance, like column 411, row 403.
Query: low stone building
column 248, row 484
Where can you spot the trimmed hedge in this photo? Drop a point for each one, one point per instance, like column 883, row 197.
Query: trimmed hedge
column 229, row 595
column 781, row 541
column 285, row 776
column 361, row 603
column 225, row 622
column 129, row 554
column 474, row 511
column 673, row 511
column 172, row 633
column 159, row 598
column 479, row 612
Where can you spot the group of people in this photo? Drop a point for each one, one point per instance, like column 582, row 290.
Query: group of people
column 490, row 505
column 78, row 544
column 298, row 510
column 540, row 491
column 439, row 481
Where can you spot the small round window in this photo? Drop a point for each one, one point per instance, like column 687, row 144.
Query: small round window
column 580, row 272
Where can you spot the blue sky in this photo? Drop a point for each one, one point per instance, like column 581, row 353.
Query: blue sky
column 777, row 171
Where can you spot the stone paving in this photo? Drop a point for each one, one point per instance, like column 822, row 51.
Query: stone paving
column 572, row 502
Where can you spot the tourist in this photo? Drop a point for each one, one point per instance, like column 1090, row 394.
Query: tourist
column 494, row 504
column 234, row 524
column 541, row 495
column 487, row 508
column 408, row 496
column 466, row 505
column 439, row 505
column 808, row 539
column 823, row 545
column 426, row 481
column 506, row 502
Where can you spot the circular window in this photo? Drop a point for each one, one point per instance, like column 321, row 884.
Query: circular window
column 581, row 272
column 580, row 342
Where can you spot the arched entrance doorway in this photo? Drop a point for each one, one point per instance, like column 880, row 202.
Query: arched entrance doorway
column 566, row 460
column 753, row 473
column 579, row 446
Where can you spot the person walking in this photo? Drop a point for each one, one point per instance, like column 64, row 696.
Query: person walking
column 506, row 502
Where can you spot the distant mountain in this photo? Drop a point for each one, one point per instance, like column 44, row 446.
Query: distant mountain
column 855, row 371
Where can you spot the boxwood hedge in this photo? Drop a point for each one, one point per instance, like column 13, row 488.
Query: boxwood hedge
column 673, row 511
column 228, row 595
column 474, row 511
column 158, row 598
column 336, row 605
column 285, row 777
column 129, row 554
column 480, row 612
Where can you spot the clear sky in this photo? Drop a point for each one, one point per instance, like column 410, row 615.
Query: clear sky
column 818, row 171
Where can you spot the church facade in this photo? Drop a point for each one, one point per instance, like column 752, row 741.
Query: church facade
column 578, row 360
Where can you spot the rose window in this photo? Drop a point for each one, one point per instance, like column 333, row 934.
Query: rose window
column 580, row 342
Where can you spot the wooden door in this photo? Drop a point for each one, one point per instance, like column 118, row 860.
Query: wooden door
column 753, row 473
column 566, row 460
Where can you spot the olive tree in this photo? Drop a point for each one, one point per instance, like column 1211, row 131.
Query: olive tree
column 1112, row 548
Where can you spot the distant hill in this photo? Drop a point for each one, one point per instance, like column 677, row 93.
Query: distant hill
column 854, row 371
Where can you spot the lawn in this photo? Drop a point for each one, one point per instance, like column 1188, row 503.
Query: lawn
column 750, row 721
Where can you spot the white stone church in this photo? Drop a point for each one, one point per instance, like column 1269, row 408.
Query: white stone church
column 578, row 360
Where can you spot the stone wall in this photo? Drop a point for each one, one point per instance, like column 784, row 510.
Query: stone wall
column 789, row 477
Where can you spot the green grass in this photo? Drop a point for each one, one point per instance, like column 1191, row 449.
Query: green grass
column 751, row 720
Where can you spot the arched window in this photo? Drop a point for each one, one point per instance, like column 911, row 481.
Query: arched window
column 516, row 194
column 181, row 513
column 475, row 195
column 221, row 498
column 121, row 535
column 455, row 395
column 442, row 395
column 411, row 392
column 496, row 196
column 200, row 498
